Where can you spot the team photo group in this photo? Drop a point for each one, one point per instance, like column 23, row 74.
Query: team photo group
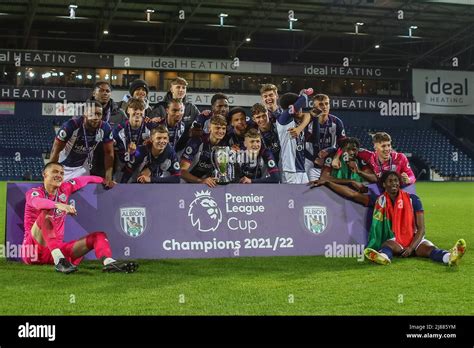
column 289, row 139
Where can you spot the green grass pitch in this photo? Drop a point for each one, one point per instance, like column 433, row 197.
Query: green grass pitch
column 263, row 286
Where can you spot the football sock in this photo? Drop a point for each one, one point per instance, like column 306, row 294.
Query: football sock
column 98, row 241
column 57, row 255
column 108, row 260
column 387, row 252
column 439, row 255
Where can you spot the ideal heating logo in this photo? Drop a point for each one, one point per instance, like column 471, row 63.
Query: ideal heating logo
column 447, row 93
column 448, row 88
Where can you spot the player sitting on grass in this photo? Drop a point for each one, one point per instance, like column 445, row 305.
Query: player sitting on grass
column 45, row 215
column 398, row 224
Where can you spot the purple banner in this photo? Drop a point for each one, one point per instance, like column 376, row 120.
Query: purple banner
column 193, row 221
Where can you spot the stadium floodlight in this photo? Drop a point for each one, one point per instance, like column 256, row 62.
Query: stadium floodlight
column 221, row 21
column 221, row 18
column 377, row 46
column 410, row 30
column 290, row 23
column 106, row 32
column 149, row 11
column 72, row 11
column 357, row 25
column 248, row 39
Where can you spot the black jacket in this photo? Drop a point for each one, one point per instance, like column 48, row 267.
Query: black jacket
column 114, row 115
column 190, row 110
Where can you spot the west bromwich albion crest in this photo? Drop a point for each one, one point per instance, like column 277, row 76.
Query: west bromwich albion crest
column 133, row 221
column 315, row 219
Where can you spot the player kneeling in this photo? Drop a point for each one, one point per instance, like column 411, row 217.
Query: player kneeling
column 45, row 214
column 398, row 224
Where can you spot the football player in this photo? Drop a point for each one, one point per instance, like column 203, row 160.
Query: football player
column 46, row 209
column 398, row 223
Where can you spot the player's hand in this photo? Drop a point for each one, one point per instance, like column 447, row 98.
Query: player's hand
column 235, row 148
column 317, row 183
column 315, row 112
column 307, row 91
column 405, row 178
column 245, row 180
column 211, row 182
column 196, row 132
column 323, row 154
column 294, row 132
column 154, row 119
column 68, row 209
column 359, row 186
column 319, row 162
column 353, row 166
column 407, row 252
column 132, row 147
column 206, row 113
column 108, row 183
column 336, row 163
column 142, row 179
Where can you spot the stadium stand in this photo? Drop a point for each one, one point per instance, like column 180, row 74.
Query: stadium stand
column 27, row 139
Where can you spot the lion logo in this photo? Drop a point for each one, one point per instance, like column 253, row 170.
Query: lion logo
column 204, row 212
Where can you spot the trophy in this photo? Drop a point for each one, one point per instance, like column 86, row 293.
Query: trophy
column 221, row 157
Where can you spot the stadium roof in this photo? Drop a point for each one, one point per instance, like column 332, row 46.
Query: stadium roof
column 323, row 33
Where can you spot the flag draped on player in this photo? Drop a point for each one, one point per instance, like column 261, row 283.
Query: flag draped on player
column 392, row 220
column 346, row 173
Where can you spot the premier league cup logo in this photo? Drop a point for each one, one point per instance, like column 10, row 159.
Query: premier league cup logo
column 223, row 165
column 204, row 212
